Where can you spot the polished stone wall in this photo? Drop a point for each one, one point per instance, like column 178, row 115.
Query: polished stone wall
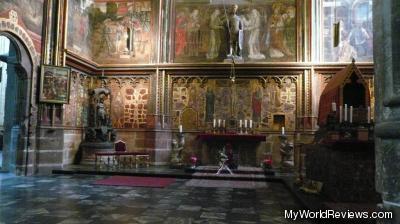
column 386, row 57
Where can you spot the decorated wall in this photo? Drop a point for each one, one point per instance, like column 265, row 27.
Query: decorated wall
column 112, row 32
column 28, row 15
column 130, row 98
column 76, row 111
column 202, row 33
column 269, row 101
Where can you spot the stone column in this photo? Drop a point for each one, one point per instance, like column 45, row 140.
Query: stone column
column 387, row 95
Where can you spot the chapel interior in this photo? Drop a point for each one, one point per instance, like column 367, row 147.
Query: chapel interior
column 198, row 111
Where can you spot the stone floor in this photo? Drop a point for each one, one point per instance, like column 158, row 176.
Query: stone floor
column 70, row 199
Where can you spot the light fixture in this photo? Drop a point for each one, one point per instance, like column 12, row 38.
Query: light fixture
column 336, row 30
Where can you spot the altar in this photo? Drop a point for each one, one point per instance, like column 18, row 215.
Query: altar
column 243, row 146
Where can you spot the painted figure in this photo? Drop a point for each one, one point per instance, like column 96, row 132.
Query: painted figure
column 235, row 28
column 180, row 33
column 193, row 28
column 215, row 36
column 256, row 105
column 358, row 38
column 276, row 26
column 346, row 51
column 253, row 26
column 289, row 32
column 210, row 99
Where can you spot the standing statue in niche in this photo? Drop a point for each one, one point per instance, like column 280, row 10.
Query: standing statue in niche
column 235, row 29
column 99, row 135
column 99, row 129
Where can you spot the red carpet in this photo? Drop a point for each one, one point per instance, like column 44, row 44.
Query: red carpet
column 136, row 181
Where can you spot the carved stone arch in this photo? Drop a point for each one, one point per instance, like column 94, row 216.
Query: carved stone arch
column 26, row 64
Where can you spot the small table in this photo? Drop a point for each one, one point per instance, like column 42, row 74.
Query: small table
column 138, row 157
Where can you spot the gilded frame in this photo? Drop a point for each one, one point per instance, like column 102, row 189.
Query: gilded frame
column 55, row 82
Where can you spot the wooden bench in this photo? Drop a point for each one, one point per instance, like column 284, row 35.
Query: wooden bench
column 134, row 157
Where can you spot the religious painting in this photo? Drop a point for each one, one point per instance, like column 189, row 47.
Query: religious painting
column 29, row 15
column 54, row 84
column 131, row 96
column 78, row 30
column 279, row 100
column 264, row 31
column 245, row 99
column 356, row 36
column 112, row 32
column 76, row 112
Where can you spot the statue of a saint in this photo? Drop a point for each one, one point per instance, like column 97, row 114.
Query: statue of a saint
column 235, row 28
column 101, row 113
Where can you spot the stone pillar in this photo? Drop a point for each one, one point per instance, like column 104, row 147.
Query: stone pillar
column 387, row 95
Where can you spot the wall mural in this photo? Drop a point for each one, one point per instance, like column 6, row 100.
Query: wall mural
column 111, row 32
column 266, row 101
column 356, row 37
column 76, row 112
column 29, row 15
column 266, row 31
column 131, row 95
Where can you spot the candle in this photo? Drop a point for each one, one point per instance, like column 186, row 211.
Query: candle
column 180, row 128
column 369, row 115
column 334, row 107
column 214, row 123
column 345, row 112
column 162, row 120
column 283, row 130
column 223, row 123
column 219, row 123
column 240, row 124
column 351, row 114
column 340, row 113
column 251, row 123
column 245, row 123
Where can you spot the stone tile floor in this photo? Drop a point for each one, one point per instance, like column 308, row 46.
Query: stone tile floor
column 70, row 199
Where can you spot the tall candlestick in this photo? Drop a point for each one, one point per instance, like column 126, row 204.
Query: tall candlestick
column 369, row 115
column 340, row 114
column 283, row 130
column 351, row 114
column 251, row 124
column 180, row 128
column 333, row 106
column 219, row 123
column 245, row 123
column 214, row 123
column 345, row 112
column 240, row 124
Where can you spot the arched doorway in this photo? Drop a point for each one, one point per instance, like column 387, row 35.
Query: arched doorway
column 16, row 69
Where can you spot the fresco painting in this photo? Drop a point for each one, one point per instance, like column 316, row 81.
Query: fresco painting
column 29, row 15
column 251, row 100
column 269, row 31
column 356, row 36
column 110, row 32
column 76, row 112
column 133, row 96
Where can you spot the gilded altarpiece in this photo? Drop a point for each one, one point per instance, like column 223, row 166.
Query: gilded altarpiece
column 76, row 112
column 130, row 97
column 270, row 101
